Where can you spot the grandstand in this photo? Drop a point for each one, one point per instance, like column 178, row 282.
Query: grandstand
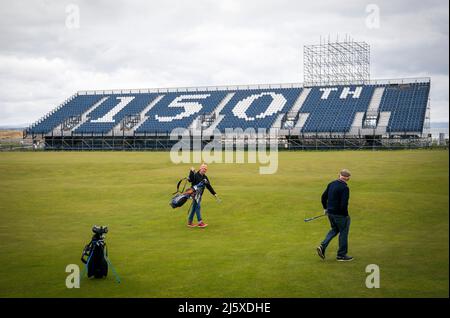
column 343, row 110
column 362, row 115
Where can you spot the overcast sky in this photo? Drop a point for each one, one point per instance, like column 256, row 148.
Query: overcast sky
column 51, row 49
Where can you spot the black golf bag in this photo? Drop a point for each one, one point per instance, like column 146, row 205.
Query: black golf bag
column 182, row 196
column 179, row 200
column 95, row 254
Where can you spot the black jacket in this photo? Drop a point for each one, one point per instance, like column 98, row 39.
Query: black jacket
column 335, row 198
column 195, row 178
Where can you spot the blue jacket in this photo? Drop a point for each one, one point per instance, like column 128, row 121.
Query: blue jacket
column 335, row 198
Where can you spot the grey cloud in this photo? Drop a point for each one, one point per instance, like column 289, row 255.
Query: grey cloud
column 137, row 44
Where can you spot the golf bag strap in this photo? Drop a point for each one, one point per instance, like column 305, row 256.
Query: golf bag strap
column 87, row 252
column 110, row 264
column 178, row 186
column 114, row 270
column 86, row 266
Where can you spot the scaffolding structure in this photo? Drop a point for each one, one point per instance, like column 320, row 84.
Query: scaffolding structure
column 285, row 139
column 336, row 63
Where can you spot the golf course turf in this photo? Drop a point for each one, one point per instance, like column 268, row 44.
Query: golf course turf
column 257, row 243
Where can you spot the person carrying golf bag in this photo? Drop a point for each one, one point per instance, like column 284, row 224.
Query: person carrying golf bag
column 335, row 204
column 199, row 178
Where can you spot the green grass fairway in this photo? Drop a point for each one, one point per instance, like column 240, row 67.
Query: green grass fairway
column 257, row 244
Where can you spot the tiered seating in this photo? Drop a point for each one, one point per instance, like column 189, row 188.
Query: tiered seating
column 257, row 108
column 132, row 105
column 177, row 110
column 407, row 104
column 326, row 109
column 333, row 113
column 74, row 107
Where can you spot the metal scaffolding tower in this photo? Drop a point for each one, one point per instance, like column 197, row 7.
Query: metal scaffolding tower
column 334, row 63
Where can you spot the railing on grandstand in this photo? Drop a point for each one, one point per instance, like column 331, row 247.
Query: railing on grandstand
column 245, row 87
column 162, row 141
column 354, row 132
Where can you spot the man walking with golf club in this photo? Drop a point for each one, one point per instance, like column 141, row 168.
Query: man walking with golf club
column 335, row 204
column 196, row 178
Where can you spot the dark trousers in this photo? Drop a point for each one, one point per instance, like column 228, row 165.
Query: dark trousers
column 339, row 225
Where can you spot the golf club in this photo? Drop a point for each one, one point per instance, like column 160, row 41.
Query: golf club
column 314, row 217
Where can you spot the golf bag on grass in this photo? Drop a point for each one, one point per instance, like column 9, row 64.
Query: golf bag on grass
column 95, row 254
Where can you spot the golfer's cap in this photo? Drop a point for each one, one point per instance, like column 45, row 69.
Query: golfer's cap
column 345, row 173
